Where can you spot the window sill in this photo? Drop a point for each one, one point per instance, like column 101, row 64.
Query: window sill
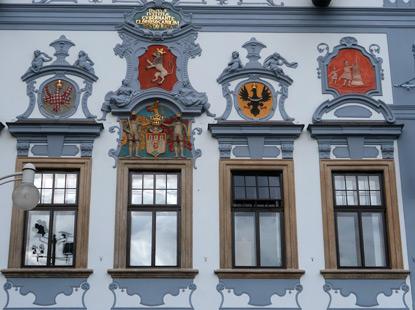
column 46, row 273
column 365, row 273
column 259, row 273
column 153, row 273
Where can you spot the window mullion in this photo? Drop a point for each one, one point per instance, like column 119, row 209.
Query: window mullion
column 362, row 250
column 49, row 261
column 257, row 239
column 153, row 239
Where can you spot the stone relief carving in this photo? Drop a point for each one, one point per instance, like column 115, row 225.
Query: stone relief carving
column 157, row 56
column 59, row 96
column 254, row 98
column 350, row 69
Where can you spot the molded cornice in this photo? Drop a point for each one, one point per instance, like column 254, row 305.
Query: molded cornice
column 264, row 19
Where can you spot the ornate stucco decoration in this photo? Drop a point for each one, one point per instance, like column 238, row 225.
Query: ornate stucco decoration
column 254, row 98
column 158, row 41
column 155, row 131
column 57, row 98
column 350, row 69
column 353, row 125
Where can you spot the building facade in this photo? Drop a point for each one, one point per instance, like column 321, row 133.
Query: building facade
column 209, row 154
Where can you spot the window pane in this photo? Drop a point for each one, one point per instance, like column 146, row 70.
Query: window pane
column 364, row 198
column 374, row 182
column 59, row 196
column 166, row 239
column 148, row 197
column 274, row 181
column 339, row 183
column 263, row 193
column 374, row 239
column 136, row 197
column 160, row 197
column 172, row 181
column 46, row 196
column 47, row 180
column 37, row 238
column 363, row 182
column 64, row 230
column 70, row 196
column 350, row 182
column 341, row 198
column 348, row 240
column 270, row 240
column 238, row 180
column 250, row 180
column 263, row 181
column 148, row 181
column 141, row 238
column 137, row 181
column 71, row 179
column 161, row 181
column 172, row 197
column 60, row 180
column 245, row 247
column 375, row 198
column 275, row 193
column 38, row 180
column 239, row 193
column 352, row 198
column 251, row 193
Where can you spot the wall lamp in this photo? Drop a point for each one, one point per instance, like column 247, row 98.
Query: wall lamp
column 321, row 3
column 25, row 196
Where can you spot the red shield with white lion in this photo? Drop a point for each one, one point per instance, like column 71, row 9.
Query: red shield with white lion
column 157, row 68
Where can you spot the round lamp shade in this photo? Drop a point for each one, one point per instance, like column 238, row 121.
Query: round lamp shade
column 25, row 196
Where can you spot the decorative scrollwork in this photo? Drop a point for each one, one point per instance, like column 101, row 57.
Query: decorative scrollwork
column 374, row 49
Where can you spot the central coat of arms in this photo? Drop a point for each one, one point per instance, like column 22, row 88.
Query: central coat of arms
column 156, row 131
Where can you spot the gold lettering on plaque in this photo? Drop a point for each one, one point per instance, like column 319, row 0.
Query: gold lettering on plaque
column 155, row 19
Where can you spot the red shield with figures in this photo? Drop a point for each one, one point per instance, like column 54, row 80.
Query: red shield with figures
column 350, row 72
column 156, row 143
column 157, row 68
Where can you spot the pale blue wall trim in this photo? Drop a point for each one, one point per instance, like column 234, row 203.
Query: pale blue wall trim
column 356, row 137
column 377, row 105
column 263, row 19
column 46, row 290
column 366, row 290
column 152, row 291
column 404, row 112
column 58, row 136
column 353, row 112
column 257, row 137
column 259, row 291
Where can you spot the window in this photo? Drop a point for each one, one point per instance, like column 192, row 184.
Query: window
column 52, row 239
column 154, row 215
column 257, row 219
column 257, row 213
column 50, row 227
column 153, row 235
column 361, row 219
